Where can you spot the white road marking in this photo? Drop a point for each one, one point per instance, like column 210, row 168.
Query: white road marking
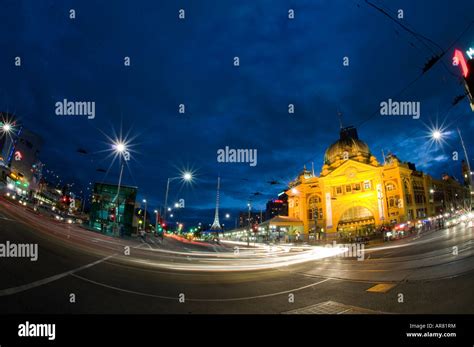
column 143, row 244
column 24, row 287
column 202, row 300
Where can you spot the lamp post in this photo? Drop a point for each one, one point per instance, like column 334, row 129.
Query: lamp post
column 156, row 220
column 144, row 215
column 121, row 150
column 437, row 136
column 187, row 177
column 468, row 168
column 250, row 227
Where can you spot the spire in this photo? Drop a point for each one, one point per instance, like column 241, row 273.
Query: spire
column 216, row 225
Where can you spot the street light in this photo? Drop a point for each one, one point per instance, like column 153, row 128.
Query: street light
column 120, row 147
column 186, row 176
column 437, row 135
column 6, row 127
column 156, row 220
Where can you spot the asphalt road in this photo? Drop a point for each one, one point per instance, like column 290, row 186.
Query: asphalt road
column 428, row 273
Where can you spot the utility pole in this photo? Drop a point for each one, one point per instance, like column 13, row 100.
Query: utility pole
column 166, row 199
column 144, row 216
column 315, row 217
column 250, row 226
column 117, row 205
column 468, row 168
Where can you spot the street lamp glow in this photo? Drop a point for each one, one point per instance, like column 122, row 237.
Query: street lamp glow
column 144, row 201
column 6, row 127
column 120, row 147
column 437, row 135
column 187, row 176
column 227, row 215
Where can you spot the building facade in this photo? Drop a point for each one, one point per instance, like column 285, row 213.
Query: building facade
column 354, row 193
column 277, row 207
column 255, row 218
column 25, row 157
column 104, row 216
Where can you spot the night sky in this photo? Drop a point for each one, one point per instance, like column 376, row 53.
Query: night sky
column 190, row 61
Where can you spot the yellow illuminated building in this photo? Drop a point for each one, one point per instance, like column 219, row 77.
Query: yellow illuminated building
column 354, row 193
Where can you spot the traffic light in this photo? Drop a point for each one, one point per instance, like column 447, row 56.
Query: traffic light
column 112, row 214
column 467, row 69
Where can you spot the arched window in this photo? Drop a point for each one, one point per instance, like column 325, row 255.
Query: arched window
column 357, row 212
column 406, row 186
column 314, row 207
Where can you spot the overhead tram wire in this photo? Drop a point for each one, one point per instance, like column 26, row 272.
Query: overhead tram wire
column 417, row 35
column 428, row 65
column 405, row 27
column 376, row 112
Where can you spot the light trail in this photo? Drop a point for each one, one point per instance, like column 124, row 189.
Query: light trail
column 209, row 262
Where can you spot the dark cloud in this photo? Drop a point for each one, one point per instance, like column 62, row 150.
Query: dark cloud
column 190, row 62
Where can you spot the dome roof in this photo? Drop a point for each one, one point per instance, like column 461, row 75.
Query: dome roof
column 347, row 147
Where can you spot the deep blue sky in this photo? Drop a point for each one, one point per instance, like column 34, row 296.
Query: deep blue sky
column 282, row 61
